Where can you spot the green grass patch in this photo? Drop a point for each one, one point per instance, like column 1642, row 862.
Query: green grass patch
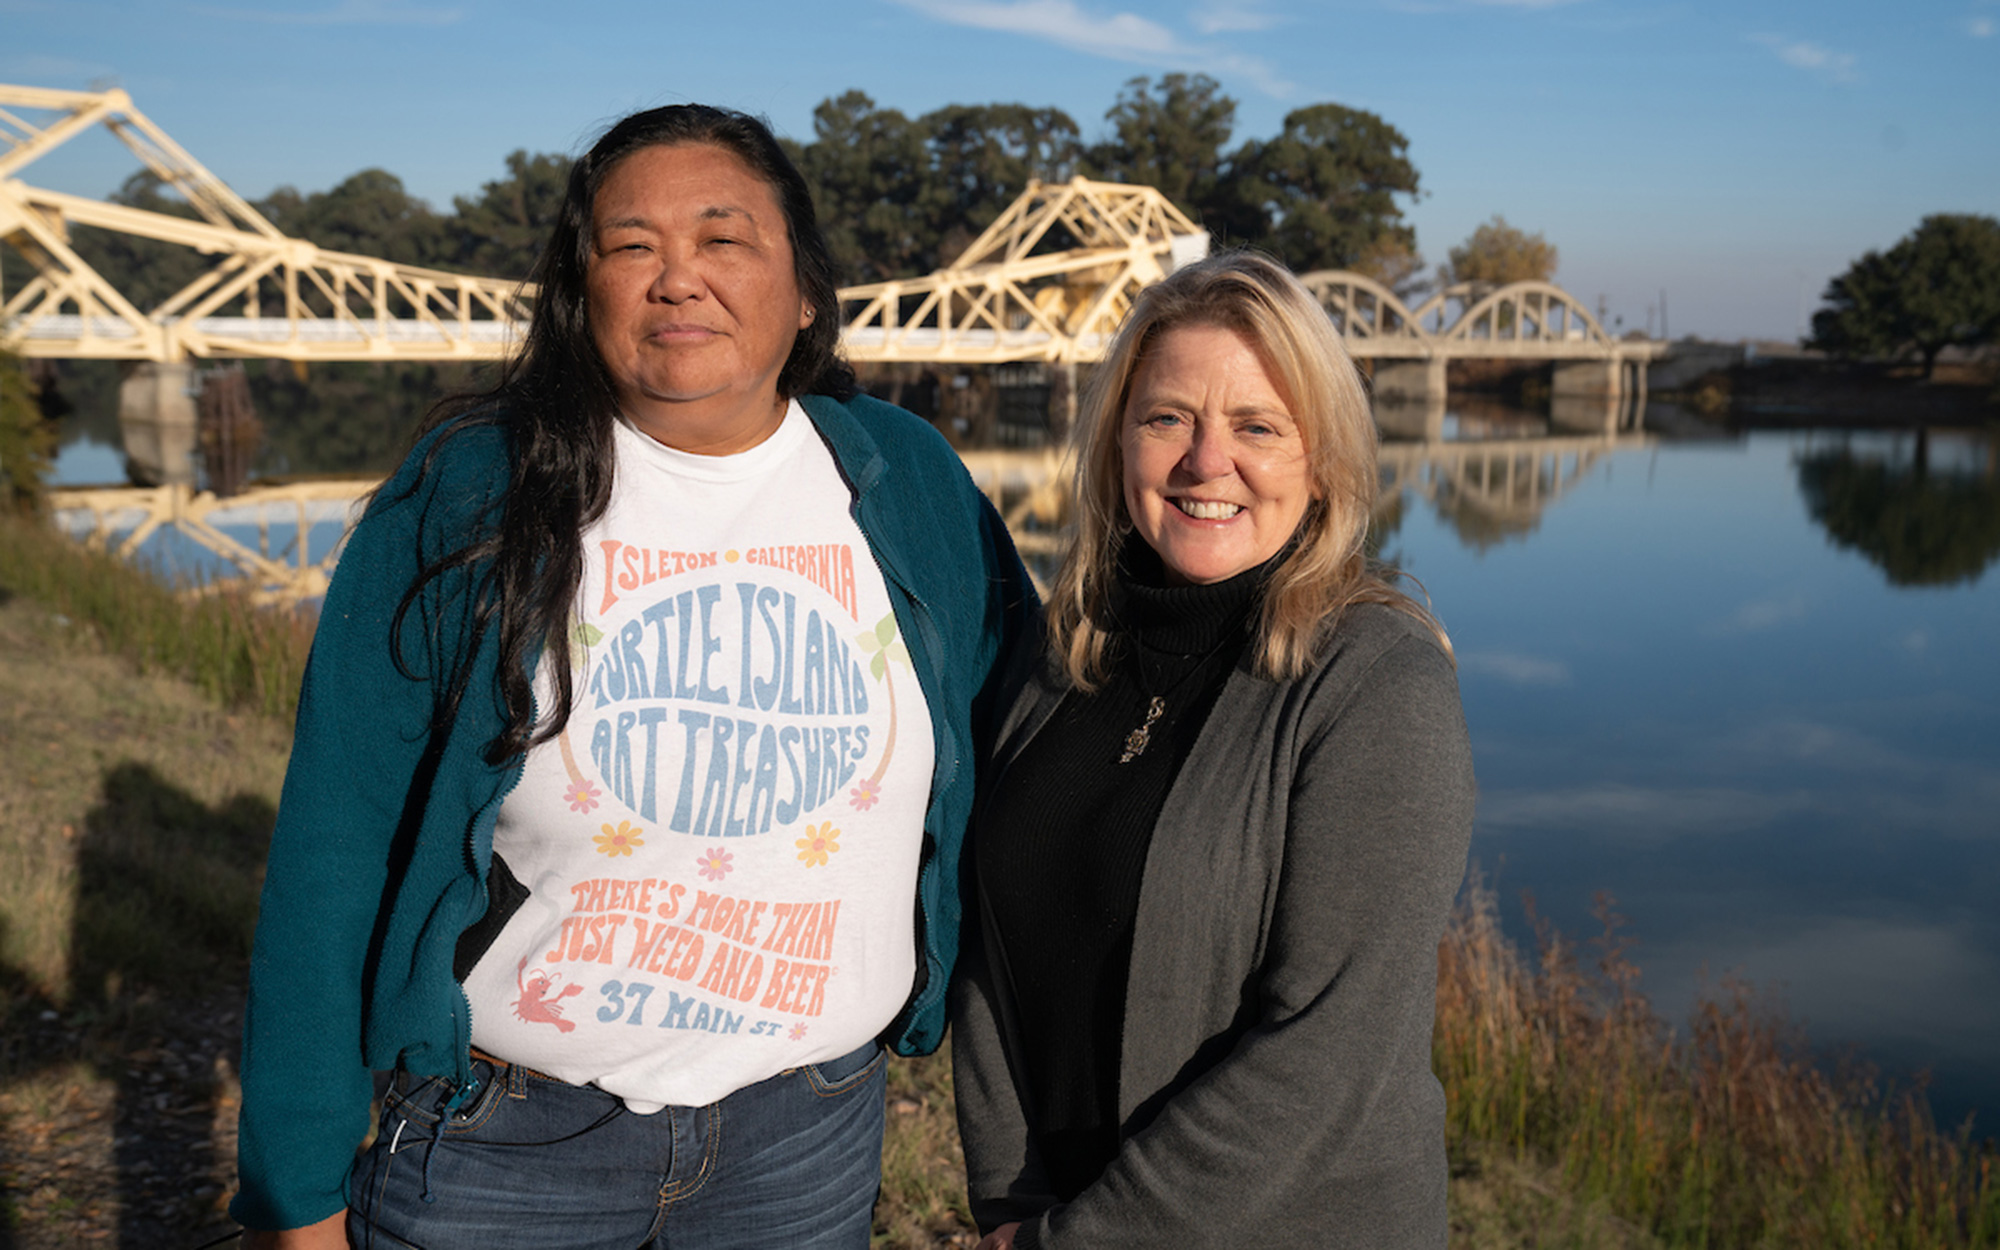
column 235, row 652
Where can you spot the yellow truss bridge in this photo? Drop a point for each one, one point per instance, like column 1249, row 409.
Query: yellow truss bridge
column 265, row 295
column 1048, row 282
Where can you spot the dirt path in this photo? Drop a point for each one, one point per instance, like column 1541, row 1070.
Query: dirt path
column 133, row 815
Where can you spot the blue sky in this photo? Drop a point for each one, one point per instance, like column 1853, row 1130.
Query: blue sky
column 1734, row 156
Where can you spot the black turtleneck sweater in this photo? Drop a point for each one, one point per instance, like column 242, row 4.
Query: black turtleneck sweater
column 1061, row 846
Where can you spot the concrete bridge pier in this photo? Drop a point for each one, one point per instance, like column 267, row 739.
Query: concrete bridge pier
column 1597, row 396
column 1587, row 414
column 156, row 419
column 1410, row 380
column 1588, row 379
column 1411, row 420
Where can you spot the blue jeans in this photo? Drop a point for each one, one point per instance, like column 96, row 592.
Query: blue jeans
column 539, row 1164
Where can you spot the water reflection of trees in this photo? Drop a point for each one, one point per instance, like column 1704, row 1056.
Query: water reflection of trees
column 1922, row 524
column 352, row 418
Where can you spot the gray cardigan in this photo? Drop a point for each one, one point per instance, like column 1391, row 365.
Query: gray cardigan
column 1275, row 1078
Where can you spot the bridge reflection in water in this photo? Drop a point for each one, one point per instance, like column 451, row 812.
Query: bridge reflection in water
column 1492, row 469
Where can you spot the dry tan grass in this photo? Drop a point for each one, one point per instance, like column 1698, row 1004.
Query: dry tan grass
column 1728, row 1135
column 133, row 813
column 102, row 763
column 923, row 1171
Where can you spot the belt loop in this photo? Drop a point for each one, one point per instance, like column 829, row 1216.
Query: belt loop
column 517, row 1081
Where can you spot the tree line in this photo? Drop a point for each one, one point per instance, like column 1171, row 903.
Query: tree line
column 900, row 196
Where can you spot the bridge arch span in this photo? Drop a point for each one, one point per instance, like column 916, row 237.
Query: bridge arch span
column 1532, row 316
column 1362, row 308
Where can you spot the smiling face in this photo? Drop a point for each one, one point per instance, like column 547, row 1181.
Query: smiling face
column 1215, row 471
column 693, row 300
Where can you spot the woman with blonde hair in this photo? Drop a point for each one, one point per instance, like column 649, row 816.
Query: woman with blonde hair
column 1228, row 817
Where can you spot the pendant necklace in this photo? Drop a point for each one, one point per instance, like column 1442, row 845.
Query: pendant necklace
column 1135, row 742
column 1141, row 737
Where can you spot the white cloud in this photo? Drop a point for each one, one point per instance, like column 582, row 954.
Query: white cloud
column 1124, row 36
column 1880, row 980
column 344, row 13
column 1459, row 6
column 1226, row 17
column 1118, row 36
column 1759, row 615
column 1981, row 27
column 1514, row 668
column 1648, row 815
column 1799, row 54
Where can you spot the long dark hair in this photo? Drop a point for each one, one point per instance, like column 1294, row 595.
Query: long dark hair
column 556, row 402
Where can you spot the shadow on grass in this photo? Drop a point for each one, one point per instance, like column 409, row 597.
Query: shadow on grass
column 165, row 907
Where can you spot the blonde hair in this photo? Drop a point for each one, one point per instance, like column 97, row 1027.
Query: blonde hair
column 1327, row 568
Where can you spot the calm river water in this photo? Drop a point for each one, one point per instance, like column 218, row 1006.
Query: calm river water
column 1748, row 684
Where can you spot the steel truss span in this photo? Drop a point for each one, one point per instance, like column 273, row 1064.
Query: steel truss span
column 264, row 295
column 1049, row 280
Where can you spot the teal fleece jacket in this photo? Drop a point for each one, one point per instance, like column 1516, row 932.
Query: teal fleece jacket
column 384, row 833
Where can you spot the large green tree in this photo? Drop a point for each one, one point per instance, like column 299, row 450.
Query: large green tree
column 1498, row 253
column 369, row 213
column 868, row 167
column 1938, row 287
column 1328, row 184
column 1167, row 135
column 982, row 156
column 500, row 232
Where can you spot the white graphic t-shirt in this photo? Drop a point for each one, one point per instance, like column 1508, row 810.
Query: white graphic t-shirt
column 721, row 848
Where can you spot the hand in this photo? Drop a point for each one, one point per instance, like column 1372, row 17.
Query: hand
column 329, row 1234
column 1001, row 1238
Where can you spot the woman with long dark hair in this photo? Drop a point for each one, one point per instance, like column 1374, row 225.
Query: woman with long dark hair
column 632, row 764
column 1228, row 821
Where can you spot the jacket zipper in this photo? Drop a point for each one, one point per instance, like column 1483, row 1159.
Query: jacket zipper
column 943, row 771
column 945, row 766
column 464, row 1088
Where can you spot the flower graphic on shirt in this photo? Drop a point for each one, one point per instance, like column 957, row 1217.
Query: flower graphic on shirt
column 714, row 864
column 582, row 795
column 865, row 795
column 618, row 840
column 798, row 1031
column 820, row 841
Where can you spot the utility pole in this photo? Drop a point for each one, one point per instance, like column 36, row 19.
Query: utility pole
column 1663, row 317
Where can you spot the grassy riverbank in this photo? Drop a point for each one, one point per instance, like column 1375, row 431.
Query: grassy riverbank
column 1726, row 1134
column 239, row 655
column 141, row 776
